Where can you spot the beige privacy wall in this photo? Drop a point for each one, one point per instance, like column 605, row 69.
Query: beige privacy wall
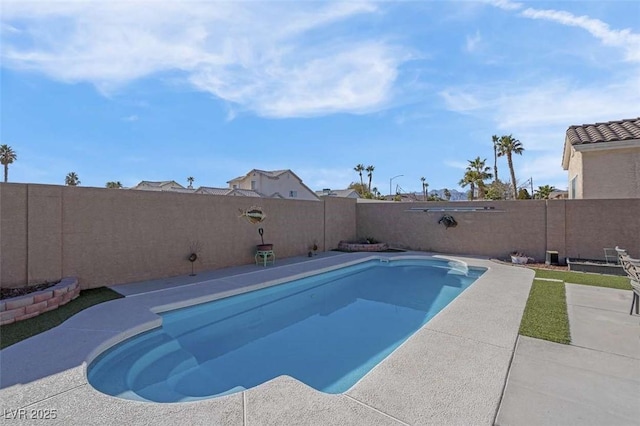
column 574, row 228
column 110, row 236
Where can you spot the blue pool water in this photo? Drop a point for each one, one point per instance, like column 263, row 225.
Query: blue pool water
column 327, row 331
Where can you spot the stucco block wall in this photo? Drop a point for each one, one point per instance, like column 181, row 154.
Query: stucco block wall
column 13, row 233
column 340, row 220
column 109, row 236
column 513, row 225
column 574, row 228
column 611, row 174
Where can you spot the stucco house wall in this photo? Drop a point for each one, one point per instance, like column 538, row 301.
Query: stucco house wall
column 603, row 160
column 269, row 183
column 611, row 173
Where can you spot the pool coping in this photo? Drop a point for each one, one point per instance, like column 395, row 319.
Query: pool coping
column 450, row 371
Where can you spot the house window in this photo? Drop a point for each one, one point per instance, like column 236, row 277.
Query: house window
column 253, row 185
column 235, row 186
column 572, row 187
column 293, row 194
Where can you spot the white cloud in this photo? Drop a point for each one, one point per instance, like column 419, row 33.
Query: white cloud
column 626, row 39
column 318, row 179
column 544, row 170
column 456, row 164
column 473, row 42
column 261, row 57
column 505, row 4
column 542, row 112
column 131, row 118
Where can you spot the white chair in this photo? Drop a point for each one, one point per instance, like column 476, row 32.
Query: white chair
column 632, row 267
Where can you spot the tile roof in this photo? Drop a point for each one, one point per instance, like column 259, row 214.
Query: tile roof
column 227, row 191
column 268, row 173
column 212, row 191
column 611, row 131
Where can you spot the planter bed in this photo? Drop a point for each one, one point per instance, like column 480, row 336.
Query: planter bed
column 595, row 267
column 33, row 304
column 351, row 246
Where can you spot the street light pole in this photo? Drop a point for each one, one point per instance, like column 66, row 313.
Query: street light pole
column 391, row 180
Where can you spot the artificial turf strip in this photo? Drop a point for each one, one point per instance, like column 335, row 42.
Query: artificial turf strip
column 17, row 331
column 611, row 281
column 545, row 316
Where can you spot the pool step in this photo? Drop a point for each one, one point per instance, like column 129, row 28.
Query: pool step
column 155, row 366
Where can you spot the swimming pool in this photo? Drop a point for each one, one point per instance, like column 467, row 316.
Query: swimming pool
column 326, row 330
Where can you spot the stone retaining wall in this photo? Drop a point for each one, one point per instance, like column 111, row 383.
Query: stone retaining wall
column 346, row 246
column 33, row 304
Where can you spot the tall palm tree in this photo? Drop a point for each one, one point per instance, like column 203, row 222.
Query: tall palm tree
column 113, row 185
column 508, row 146
column 424, row 193
column 481, row 173
column 72, row 179
column 359, row 169
column 7, row 156
column 496, row 143
column 370, row 170
column 190, row 179
column 543, row 192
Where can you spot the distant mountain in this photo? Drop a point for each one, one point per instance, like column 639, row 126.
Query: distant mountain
column 455, row 195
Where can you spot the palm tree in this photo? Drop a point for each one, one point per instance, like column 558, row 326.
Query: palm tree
column 470, row 179
column 496, row 143
column 190, row 179
column 7, row 156
column 481, row 173
column 424, row 193
column 370, row 170
column 508, row 146
column 113, row 185
column 72, row 179
column 447, row 194
column 360, row 168
column 543, row 192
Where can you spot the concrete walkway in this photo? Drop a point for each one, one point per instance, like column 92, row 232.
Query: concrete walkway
column 593, row 381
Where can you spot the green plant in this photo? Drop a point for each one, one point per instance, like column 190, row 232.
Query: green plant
column 545, row 316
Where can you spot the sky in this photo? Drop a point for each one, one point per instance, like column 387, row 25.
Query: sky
column 163, row 90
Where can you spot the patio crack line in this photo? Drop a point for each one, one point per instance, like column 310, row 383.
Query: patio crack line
column 376, row 410
column 506, row 380
column 55, row 395
column 595, row 308
column 605, row 352
column 568, row 363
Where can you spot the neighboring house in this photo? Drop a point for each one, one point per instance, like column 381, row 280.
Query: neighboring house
column 558, row 194
column 405, row 197
column 227, row 191
column 166, row 185
column 276, row 183
column 343, row 193
column 603, row 159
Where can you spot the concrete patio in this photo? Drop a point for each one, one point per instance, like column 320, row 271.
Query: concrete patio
column 593, row 381
column 452, row 371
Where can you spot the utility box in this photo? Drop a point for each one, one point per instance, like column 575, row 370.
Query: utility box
column 552, row 258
